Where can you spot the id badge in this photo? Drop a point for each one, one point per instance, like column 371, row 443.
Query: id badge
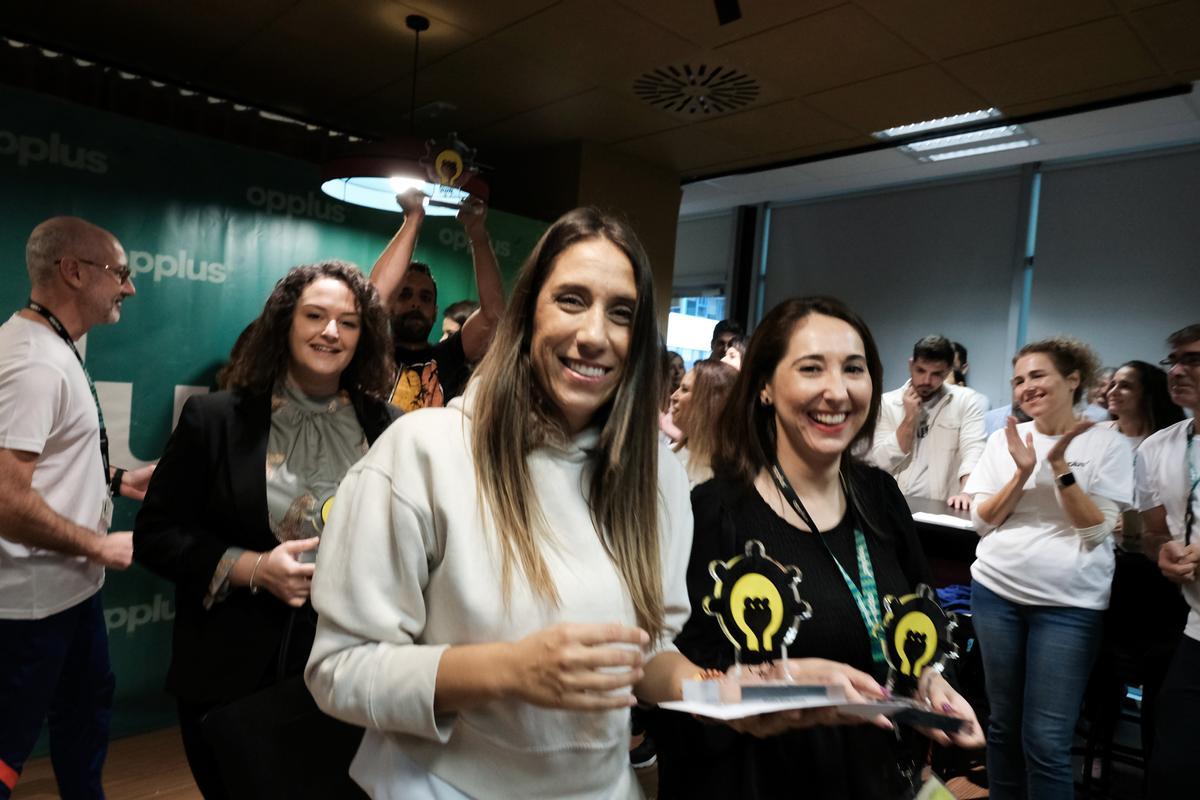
column 106, row 513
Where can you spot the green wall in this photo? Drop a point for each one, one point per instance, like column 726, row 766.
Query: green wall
column 208, row 228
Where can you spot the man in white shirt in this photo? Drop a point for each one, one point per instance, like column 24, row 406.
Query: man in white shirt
column 1168, row 495
column 56, row 507
column 929, row 435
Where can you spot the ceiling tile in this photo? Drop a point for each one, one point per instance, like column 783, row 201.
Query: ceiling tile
column 344, row 56
column 1172, row 32
column 782, row 126
column 598, row 115
column 833, row 48
column 515, row 84
column 1106, row 94
column 479, row 18
column 897, row 99
column 771, row 160
column 1130, row 5
column 1074, row 60
column 933, row 27
column 161, row 43
column 696, row 20
column 594, row 42
column 1169, row 112
column 682, row 149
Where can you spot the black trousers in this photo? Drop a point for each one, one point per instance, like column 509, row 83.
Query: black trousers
column 200, row 757
column 1177, row 731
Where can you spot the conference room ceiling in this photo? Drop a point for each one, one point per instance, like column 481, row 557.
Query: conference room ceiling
column 794, row 79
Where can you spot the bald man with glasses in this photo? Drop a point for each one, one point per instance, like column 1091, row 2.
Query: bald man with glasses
column 56, row 489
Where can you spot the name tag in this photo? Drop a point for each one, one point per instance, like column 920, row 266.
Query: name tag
column 106, row 513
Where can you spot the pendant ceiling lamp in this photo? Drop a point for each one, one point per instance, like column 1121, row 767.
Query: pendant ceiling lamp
column 373, row 174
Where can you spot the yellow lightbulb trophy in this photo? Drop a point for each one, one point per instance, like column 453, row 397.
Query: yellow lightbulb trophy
column 448, row 163
column 757, row 603
column 917, row 636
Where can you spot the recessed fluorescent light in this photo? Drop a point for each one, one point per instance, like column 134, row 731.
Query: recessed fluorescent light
column 940, row 122
column 979, row 151
column 957, row 139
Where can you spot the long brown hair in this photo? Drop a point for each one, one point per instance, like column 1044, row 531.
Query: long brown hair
column 262, row 357
column 748, row 440
column 710, row 390
column 513, row 415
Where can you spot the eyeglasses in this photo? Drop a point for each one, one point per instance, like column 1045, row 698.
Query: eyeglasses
column 1189, row 360
column 120, row 273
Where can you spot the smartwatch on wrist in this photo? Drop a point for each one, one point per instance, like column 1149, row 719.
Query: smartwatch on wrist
column 1065, row 480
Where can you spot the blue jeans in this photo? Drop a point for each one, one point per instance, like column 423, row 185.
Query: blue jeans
column 57, row 668
column 1036, row 661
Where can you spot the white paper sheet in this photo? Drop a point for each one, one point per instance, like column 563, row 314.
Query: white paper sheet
column 728, row 711
column 945, row 520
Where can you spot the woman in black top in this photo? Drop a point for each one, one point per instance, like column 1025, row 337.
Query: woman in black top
column 807, row 395
column 235, row 508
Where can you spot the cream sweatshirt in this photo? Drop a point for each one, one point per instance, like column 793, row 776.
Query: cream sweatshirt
column 408, row 566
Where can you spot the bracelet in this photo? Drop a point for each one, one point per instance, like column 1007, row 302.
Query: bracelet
column 253, row 572
column 114, row 484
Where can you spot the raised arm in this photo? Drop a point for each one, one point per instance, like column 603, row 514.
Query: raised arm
column 389, row 269
column 893, row 440
column 1081, row 510
column 998, row 507
column 478, row 329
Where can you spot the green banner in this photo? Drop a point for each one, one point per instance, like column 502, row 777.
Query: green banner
column 208, row 228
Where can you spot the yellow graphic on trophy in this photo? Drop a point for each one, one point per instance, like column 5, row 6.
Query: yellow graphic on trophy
column 756, row 601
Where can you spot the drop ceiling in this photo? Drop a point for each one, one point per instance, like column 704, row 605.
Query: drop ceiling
column 519, row 75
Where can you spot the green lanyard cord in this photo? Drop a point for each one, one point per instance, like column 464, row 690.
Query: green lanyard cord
column 865, row 597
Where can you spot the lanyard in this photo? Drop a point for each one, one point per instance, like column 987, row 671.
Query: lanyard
column 61, row 330
column 866, row 598
column 1189, row 516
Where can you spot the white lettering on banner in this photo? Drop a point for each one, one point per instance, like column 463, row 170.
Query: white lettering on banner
column 117, row 401
column 130, row 618
column 54, row 151
column 176, row 265
column 312, row 204
column 457, row 240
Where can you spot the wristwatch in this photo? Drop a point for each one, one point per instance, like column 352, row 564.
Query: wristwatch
column 114, row 484
column 1065, row 480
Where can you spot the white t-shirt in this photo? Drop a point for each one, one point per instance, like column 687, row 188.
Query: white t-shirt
column 1162, row 480
column 47, row 408
column 1134, row 441
column 1035, row 557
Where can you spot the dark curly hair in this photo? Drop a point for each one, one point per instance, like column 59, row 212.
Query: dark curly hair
column 263, row 359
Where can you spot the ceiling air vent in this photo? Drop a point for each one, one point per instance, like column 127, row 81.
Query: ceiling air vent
column 696, row 89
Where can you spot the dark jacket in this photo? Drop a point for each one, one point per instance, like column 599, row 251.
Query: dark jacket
column 209, row 493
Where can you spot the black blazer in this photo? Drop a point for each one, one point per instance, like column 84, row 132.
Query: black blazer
column 209, row 493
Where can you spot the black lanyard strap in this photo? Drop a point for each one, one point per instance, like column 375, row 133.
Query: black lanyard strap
column 865, row 597
column 61, row 330
column 1189, row 516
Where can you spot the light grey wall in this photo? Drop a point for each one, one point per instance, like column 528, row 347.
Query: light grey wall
column 704, row 251
column 930, row 259
column 1118, row 254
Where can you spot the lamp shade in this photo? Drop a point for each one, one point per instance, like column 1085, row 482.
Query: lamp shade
column 371, row 175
